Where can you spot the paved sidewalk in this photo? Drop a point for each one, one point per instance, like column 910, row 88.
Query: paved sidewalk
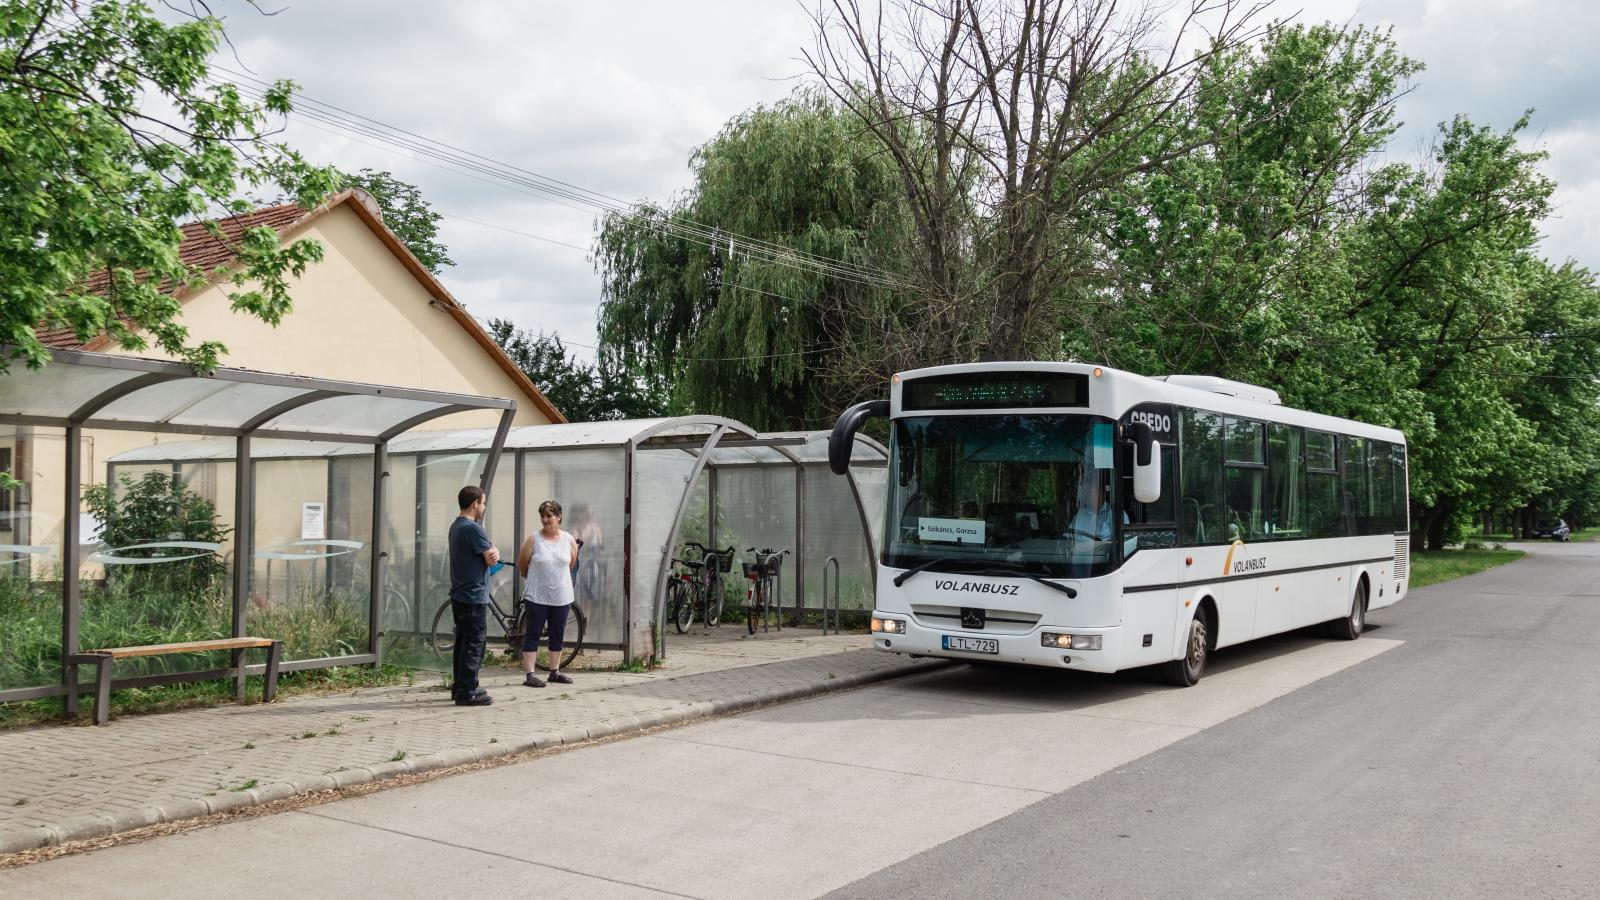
column 66, row 783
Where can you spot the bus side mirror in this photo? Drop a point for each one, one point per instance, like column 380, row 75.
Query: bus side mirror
column 1146, row 464
column 841, row 443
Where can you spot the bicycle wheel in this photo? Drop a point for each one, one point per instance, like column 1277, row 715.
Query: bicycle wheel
column 682, row 606
column 714, row 604
column 443, row 636
column 574, row 636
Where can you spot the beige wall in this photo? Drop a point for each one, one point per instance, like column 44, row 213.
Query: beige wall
column 359, row 315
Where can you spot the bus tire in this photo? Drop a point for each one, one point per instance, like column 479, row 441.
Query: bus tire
column 1350, row 627
column 1186, row 672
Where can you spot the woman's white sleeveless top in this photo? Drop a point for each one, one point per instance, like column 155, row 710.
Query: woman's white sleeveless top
column 549, row 579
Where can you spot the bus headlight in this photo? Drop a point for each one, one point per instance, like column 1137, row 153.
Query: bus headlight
column 888, row 626
column 1069, row 641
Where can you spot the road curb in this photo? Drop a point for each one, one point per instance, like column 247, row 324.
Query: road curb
column 103, row 824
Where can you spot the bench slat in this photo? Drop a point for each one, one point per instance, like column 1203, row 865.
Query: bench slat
column 244, row 643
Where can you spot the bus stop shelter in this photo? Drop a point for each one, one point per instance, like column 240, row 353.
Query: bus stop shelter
column 80, row 392
column 633, row 490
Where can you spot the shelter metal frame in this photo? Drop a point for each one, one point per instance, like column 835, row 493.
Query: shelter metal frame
column 79, row 391
column 701, row 438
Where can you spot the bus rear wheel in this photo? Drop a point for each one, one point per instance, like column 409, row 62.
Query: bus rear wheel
column 1350, row 627
column 1186, row 672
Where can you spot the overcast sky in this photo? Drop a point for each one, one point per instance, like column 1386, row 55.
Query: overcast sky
column 613, row 96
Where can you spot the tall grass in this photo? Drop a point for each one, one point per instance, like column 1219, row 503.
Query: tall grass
column 136, row 612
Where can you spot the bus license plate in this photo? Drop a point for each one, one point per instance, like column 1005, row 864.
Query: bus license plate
column 971, row 644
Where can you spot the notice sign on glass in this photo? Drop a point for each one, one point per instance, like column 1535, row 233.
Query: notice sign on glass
column 953, row 531
column 311, row 521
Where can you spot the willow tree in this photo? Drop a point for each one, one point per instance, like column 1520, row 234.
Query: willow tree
column 745, row 293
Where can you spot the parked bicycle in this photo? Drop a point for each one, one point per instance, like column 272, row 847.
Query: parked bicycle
column 699, row 589
column 763, row 577
column 512, row 625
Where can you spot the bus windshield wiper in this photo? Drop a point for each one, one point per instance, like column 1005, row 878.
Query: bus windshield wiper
column 925, row 564
column 985, row 567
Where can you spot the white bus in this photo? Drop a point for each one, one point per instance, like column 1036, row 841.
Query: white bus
column 1080, row 517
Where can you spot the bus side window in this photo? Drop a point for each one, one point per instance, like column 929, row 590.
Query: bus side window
column 1150, row 526
column 1322, row 486
column 1200, row 498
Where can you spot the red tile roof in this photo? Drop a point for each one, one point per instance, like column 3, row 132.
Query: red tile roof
column 199, row 248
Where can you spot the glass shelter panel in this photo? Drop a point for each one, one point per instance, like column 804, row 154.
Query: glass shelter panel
column 30, row 556
column 302, row 537
column 833, row 528
column 756, row 508
column 154, row 567
column 659, row 479
column 588, row 485
column 406, row 616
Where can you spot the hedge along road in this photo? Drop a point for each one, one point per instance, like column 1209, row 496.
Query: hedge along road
column 1295, row 763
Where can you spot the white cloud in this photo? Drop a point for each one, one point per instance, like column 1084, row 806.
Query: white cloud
column 613, row 97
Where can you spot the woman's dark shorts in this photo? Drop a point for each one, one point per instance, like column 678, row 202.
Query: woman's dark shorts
column 538, row 616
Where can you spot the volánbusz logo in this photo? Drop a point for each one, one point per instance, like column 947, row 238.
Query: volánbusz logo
column 976, row 587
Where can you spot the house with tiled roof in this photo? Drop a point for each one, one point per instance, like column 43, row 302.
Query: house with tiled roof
column 369, row 311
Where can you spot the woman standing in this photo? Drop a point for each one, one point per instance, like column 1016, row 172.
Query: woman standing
column 546, row 561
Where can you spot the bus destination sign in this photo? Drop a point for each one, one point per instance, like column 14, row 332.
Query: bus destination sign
column 996, row 390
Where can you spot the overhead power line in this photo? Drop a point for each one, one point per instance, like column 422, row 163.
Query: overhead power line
column 352, row 124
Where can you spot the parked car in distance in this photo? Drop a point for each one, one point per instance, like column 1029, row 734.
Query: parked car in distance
column 1554, row 529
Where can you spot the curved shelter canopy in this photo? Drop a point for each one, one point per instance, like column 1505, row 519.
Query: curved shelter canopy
column 79, row 392
column 634, row 491
column 96, row 391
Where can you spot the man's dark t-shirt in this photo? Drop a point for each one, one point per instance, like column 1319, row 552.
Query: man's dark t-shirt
column 468, row 571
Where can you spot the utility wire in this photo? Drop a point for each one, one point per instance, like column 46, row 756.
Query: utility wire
column 346, row 120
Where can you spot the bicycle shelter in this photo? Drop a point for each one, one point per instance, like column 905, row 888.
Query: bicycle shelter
column 632, row 490
column 56, row 574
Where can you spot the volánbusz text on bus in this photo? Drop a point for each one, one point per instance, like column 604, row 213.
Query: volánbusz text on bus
column 1076, row 516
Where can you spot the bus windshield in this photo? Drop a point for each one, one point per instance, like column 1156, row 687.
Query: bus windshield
column 1029, row 494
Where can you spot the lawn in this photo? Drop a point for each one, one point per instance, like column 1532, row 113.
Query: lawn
column 1443, row 565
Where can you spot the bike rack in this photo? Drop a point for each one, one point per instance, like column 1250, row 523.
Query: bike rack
column 833, row 561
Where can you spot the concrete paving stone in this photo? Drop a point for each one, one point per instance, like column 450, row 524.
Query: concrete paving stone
column 308, row 856
column 176, row 765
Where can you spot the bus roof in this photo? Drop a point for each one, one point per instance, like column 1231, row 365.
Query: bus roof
column 1229, row 398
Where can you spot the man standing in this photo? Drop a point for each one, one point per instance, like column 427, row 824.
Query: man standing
column 471, row 555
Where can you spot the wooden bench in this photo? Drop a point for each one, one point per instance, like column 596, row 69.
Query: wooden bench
column 104, row 658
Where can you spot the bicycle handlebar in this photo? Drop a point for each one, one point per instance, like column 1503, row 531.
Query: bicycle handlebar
column 767, row 552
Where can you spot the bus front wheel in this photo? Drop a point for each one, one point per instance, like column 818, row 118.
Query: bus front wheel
column 1186, row 672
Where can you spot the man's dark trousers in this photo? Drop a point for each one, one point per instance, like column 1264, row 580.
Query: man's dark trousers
column 471, row 630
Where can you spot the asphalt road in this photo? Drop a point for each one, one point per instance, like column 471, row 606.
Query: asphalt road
column 1463, row 763
column 1452, row 752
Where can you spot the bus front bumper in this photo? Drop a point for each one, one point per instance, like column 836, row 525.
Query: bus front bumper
column 973, row 646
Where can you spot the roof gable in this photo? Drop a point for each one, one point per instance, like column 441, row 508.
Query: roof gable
column 200, row 248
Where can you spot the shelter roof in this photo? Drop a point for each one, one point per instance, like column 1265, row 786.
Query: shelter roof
column 98, row 391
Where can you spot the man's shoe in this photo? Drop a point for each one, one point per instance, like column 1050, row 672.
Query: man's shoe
column 558, row 678
column 475, row 700
column 531, row 680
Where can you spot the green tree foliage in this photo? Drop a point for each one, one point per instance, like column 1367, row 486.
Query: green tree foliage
column 111, row 133
column 409, row 216
column 583, row 392
column 767, row 341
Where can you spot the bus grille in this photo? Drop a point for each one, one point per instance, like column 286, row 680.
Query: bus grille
column 1402, row 557
column 997, row 621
